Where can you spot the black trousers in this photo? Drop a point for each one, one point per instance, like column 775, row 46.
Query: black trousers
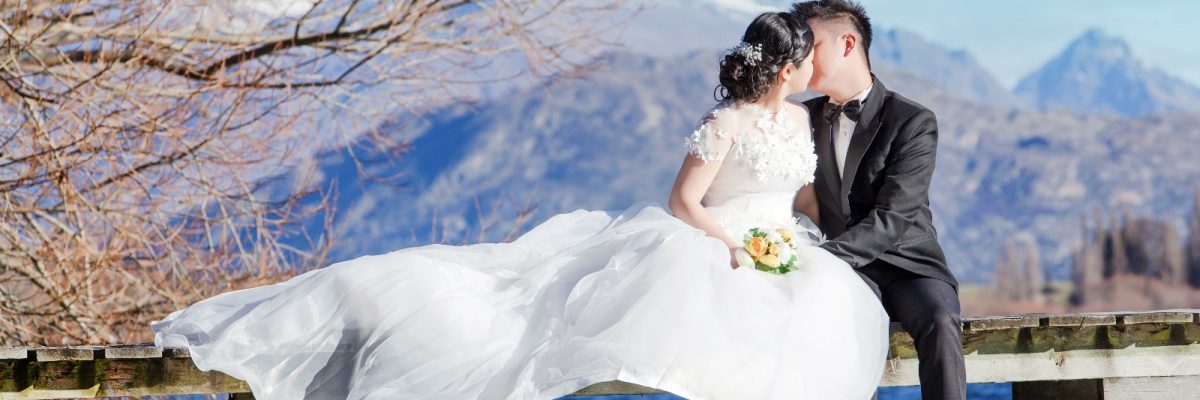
column 929, row 310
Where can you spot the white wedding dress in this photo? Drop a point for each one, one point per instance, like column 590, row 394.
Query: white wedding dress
column 634, row 295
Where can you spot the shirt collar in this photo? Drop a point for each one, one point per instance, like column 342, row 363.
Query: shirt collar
column 861, row 96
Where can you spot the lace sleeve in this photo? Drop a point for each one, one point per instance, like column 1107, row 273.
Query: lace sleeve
column 709, row 141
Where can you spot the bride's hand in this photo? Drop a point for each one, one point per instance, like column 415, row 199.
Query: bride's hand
column 733, row 257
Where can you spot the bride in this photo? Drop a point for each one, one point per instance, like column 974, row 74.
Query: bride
column 640, row 295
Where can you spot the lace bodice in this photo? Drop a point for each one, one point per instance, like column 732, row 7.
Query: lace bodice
column 766, row 157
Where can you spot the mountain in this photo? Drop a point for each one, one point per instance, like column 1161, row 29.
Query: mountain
column 1001, row 174
column 604, row 142
column 1098, row 73
column 956, row 70
column 668, row 28
column 616, row 138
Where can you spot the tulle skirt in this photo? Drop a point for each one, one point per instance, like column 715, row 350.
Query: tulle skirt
column 584, row 297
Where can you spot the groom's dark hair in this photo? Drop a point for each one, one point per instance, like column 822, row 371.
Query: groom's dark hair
column 841, row 11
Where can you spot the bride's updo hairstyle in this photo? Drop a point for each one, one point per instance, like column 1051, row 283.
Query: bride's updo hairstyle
column 770, row 42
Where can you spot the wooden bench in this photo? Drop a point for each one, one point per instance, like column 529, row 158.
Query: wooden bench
column 1127, row 355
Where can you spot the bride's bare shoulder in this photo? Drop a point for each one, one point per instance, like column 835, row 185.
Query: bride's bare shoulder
column 723, row 114
column 798, row 110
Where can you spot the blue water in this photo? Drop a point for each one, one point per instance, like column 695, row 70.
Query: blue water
column 975, row 391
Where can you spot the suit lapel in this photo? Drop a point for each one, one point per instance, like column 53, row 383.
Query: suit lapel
column 826, row 165
column 864, row 133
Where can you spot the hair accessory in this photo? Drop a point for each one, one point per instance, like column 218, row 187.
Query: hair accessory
column 751, row 52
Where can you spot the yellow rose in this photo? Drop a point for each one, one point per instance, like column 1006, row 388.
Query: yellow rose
column 785, row 233
column 774, row 249
column 757, row 246
column 770, row 260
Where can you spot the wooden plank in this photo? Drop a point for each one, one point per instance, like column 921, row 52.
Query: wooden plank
column 1075, row 320
column 14, row 353
column 132, row 352
column 1021, row 348
column 178, row 375
column 1065, row 365
column 129, row 376
column 168, row 375
column 998, row 323
column 1153, row 334
column 901, row 345
column 176, row 352
column 65, row 354
column 1157, row 317
column 13, row 376
column 1060, row 338
column 1152, row 387
column 61, row 378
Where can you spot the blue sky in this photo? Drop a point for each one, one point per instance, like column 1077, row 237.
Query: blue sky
column 1014, row 37
column 1011, row 37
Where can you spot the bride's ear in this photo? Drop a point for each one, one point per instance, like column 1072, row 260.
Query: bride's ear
column 785, row 73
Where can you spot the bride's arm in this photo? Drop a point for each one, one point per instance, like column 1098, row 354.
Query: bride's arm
column 695, row 175
column 806, row 203
column 806, row 198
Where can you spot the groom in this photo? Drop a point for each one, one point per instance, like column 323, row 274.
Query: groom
column 876, row 151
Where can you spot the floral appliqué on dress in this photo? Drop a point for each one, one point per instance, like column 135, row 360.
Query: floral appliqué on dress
column 776, row 150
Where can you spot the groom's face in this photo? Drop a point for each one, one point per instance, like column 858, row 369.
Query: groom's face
column 828, row 55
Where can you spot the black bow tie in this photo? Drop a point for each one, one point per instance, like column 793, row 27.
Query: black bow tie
column 852, row 109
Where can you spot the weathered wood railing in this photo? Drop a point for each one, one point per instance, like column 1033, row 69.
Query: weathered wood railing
column 1133, row 355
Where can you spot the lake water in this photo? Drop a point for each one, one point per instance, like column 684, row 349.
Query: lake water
column 975, row 391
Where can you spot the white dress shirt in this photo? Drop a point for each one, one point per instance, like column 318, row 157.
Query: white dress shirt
column 841, row 141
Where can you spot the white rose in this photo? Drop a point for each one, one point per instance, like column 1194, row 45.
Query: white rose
column 743, row 258
column 786, row 253
column 774, row 237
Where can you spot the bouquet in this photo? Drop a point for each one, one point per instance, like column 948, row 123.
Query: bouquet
column 768, row 250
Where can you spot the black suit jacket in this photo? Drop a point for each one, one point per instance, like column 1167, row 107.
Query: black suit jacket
column 877, row 213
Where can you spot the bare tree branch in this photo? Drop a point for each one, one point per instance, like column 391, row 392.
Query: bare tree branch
column 148, row 148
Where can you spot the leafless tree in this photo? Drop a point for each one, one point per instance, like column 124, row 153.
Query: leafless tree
column 1193, row 243
column 1019, row 276
column 139, row 137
